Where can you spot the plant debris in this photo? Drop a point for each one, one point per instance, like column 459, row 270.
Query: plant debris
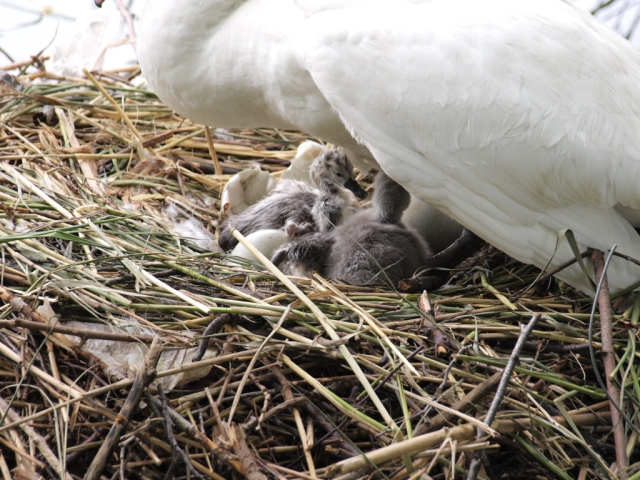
column 96, row 177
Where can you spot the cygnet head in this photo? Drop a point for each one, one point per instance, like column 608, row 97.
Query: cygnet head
column 390, row 199
column 333, row 166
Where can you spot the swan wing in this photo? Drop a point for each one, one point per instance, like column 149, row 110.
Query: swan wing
column 517, row 118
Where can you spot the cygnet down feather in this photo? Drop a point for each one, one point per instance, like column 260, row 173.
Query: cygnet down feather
column 292, row 202
column 371, row 247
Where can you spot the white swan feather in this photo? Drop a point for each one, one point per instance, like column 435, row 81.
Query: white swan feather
column 519, row 119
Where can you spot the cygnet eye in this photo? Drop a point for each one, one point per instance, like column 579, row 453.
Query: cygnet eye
column 339, row 175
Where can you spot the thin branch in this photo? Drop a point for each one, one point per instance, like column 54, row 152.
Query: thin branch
column 474, row 468
column 75, row 332
column 178, row 453
column 39, row 441
column 603, row 303
column 144, row 377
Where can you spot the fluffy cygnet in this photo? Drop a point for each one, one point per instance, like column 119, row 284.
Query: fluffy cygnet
column 293, row 204
column 370, row 247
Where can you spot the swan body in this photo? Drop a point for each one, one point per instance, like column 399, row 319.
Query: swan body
column 232, row 63
column 518, row 119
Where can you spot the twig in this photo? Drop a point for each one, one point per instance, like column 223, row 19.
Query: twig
column 131, row 278
column 40, row 442
column 469, row 400
column 500, row 393
column 123, row 456
column 253, row 361
column 276, row 410
column 245, row 455
column 452, row 363
column 423, row 442
column 20, row 306
column 320, row 417
column 75, row 332
column 609, row 360
column 222, row 432
column 288, row 395
column 544, row 347
column 393, row 372
column 626, row 257
column 144, row 377
column 80, row 396
column 182, row 425
column 178, row 453
column 22, row 64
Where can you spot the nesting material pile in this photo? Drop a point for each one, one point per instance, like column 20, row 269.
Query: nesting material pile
column 109, row 203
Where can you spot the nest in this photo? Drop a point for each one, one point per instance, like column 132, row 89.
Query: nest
column 97, row 176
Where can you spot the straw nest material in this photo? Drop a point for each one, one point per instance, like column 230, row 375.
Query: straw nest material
column 100, row 185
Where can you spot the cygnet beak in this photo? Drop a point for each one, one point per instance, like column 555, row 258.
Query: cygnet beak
column 99, row 3
column 355, row 187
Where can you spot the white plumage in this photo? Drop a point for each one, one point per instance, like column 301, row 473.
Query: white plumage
column 517, row 118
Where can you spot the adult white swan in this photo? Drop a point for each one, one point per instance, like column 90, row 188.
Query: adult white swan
column 518, row 118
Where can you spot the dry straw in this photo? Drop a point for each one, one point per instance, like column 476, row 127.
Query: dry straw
column 310, row 375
